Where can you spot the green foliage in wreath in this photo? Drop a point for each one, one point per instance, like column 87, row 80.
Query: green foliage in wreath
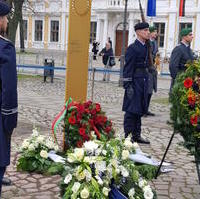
column 185, row 109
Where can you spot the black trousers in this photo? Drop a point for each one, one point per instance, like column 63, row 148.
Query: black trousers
column 149, row 100
column 2, row 171
column 132, row 124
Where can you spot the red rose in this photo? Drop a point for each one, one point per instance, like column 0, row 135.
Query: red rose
column 104, row 119
column 72, row 120
column 98, row 107
column 188, row 82
column 192, row 100
column 193, row 120
column 82, row 131
column 108, row 129
column 81, row 109
column 93, row 111
column 79, row 144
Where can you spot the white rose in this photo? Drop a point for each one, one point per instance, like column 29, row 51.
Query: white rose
column 76, row 187
column 106, row 191
column 124, row 171
column 142, row 183
column 80, row 175
column 68, row 178
column 44, row 154
column 35, row 133
column 135, row 145
column 131, row 192
column 148, row 194
column 88, row 175
column 125, row 154
column 31, row 147
column 128, row 144
column 85, row 193
column 79, row 153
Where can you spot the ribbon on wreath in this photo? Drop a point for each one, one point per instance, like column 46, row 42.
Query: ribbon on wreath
column 59, row 118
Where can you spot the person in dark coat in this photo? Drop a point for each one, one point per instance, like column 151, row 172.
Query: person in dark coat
column 135, row 78
column 107, row 57
column 110, row 41
column 95, row 49
column 181, row 54
column 8, row 92
column 152, row 70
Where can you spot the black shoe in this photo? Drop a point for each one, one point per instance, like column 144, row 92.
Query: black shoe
column 150, row 114
column 142, row 140
column 6, row 181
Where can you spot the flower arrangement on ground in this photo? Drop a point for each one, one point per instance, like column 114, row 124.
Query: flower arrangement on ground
column 34, row 153
column 83, row 118
column 98, row 166
column 185, row 110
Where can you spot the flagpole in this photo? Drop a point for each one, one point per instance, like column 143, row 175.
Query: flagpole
column 177, row 23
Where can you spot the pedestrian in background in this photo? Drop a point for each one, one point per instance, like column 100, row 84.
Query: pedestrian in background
column 135, row 76
column 108, row 60
column 181, row 54
column 95, row 49
column 8, row 92
column 110, row 41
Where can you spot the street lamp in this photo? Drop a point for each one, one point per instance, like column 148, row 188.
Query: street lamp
column 122, row 57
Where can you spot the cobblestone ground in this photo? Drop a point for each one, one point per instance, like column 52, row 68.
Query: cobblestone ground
column 39, row 103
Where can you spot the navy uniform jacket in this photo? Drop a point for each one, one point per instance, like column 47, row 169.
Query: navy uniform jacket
column 179, row 57
column 8, row 98
column 135, row 76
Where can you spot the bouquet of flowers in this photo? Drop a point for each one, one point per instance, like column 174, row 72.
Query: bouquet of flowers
column 185, row 110
column 34, row 153
column 83, row 118
column 98, row 166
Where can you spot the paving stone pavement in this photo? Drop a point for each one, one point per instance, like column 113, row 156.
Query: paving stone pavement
column 39, row 103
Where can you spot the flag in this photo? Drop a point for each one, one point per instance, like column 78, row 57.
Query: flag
column 151, row 8
column 182, row 8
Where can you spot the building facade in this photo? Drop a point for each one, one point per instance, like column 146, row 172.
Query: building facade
column 46, row 23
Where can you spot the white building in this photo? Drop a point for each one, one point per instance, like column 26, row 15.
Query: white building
column 46, row 27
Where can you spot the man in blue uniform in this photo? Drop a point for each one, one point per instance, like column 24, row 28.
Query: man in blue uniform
column 181, row 54
column 135, row 76
column 8, row 92
column 152, row 70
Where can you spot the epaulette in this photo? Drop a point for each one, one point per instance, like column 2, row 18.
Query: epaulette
column 4, row 38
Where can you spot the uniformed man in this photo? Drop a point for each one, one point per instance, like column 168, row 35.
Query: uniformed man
column 135, row 76
column 181, row 54
column 152, row 86
column 8, row 92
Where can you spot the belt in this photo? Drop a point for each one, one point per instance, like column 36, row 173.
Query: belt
column 144, row 70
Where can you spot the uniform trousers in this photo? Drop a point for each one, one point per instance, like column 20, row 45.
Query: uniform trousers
column 132, row 124
column 2, row 171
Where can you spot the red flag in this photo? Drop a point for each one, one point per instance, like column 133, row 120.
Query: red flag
column 182, row 8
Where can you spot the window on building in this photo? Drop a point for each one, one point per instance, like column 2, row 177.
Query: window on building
column 38, row 30
column 25, row 28
column 161, row 33
column 93, row 31
column 184, row 25
column 54, row 31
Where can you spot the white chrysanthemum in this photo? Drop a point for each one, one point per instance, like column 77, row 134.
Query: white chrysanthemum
column 90, row 146
column 79, row 153
column 31, row 147
column 148, row 194
column 25, row 144
column 68, row 178
column 125, row 154
column 85, row 193
column 131, row 193
column 128, row 144
column 76, row 187
column 104, row 152
column 35, row 133
column 44, row 154
column 40, row 139
column 106, row 191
